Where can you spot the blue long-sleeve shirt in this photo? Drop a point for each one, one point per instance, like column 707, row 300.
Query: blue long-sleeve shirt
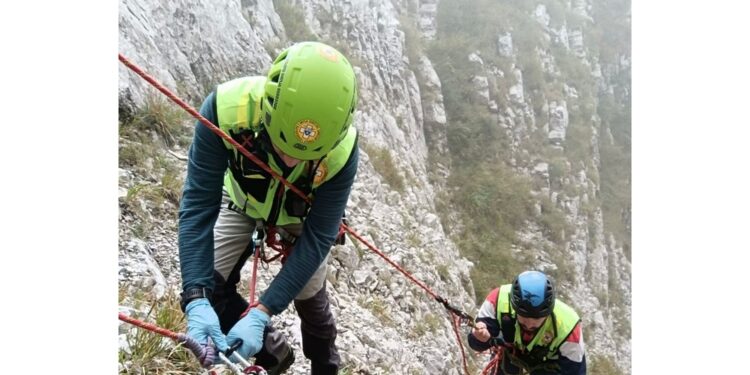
column 201, row 201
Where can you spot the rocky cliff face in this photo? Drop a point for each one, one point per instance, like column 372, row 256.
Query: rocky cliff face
column 387, row 324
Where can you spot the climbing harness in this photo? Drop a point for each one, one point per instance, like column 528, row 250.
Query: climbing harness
column 276, row 241
column 498, row 348
column 545, row 367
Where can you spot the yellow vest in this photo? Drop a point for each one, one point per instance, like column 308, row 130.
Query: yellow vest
column 251, row 189
column 553, row 332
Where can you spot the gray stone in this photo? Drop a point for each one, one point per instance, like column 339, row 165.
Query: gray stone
column 505, row 45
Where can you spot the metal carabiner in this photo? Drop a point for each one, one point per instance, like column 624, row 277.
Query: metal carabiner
column 257, row 236
column 259, row 245
column 243, row 361
column 235, row 368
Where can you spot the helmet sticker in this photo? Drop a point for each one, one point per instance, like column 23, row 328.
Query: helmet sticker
column 535, row 299
column 328, row 53
column 307, row 131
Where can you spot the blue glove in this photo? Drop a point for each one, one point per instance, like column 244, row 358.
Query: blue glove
column 203, row 322
column 250, row 330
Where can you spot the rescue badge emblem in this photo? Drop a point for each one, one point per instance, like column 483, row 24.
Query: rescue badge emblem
column 320, row 173
column 307, row 131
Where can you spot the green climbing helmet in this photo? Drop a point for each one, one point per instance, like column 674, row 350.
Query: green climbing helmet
column 309, row 100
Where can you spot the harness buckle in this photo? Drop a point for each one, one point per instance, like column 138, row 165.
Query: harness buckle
column 258, row 235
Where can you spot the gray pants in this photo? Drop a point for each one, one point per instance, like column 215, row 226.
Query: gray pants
column 232, row 234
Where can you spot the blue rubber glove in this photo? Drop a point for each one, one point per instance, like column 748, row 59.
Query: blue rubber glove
column 250, row 330
column 203, row 322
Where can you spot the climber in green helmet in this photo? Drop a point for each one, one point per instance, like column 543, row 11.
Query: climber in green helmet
column 298, row 120
column 545, row 333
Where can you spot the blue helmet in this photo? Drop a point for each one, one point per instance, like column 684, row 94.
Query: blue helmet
column 532, row 295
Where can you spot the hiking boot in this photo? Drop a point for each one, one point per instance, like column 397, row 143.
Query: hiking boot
column 283, row 365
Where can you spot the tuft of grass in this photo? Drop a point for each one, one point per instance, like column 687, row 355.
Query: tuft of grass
column 163, row 117
column 132, row 204
column 145, row 136
column 133, row 154
column 379, row 308
column 493, row 204
column 442, row 271
column 171, row 187
column 553, row 221
column 414, row 239
column 433, row 322
column 151, row 353
column 383, row 163
column 429, row 324
column 293, row 19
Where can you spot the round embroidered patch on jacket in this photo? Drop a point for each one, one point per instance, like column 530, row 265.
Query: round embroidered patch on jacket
column 547, row 338
column 320, row 173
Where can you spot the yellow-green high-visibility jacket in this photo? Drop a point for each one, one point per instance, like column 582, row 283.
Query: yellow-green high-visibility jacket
column 253, row 190
column 550, row 336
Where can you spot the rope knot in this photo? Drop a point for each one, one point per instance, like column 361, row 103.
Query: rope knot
column 205, row 354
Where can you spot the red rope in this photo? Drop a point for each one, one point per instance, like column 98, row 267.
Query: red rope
column 491, row 367
column 150, row 327
column 284, row 251
column 256, row 257
column 455, row 320
column 283, row 248
column 286, row 183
